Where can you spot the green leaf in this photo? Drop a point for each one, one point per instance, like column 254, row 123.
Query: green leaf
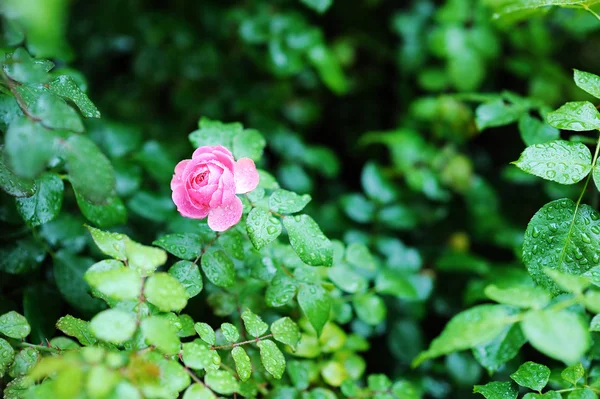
column 14, row 325
column 523, row 296
column 23, row 363
column 286, row 331
column 198, row 391
column 560, row 335
column 90, row 172
column 165, row 292
column 532, row 375
column 199, row 356
column 564, row 162
column 206, row 332
column 271, row 358
column 113, row 325
column 369, row 308
column 187, row 326
column 186, row 246
column 253, row 323
column 76, row 328
column 230, row 332
column 496, row 113
column 588, row 82
column 69, row 270
column 21, row 256
column 346, row 279
column 377, row 186
column 573, row 373
column 13, row 184
column 55, row 113
column 232, row 243
column 215, row 133
column 534, row 131
column 568, row 282
column 281, row 290
column 550, row 242
column 584, row 393
column 45, row 204
column 358, row 255
column 218, row 268
column 114, row 280
column 578, row 116
column 66, row 87
column 221, row 381
column 470, row 328
column 111, row 244
column 242, row 363
column 327, row 65
column 159, row 332
column 262, row 227
column 111, row 213
column 494, row 354
column 248, row 144
column 319, row 6
column 286, row 202
column 308, row 241
column 188, row 274
column 142, row 258
column 20, row 66
column 315, row 304
column 7, row 355
column 497, row 390
column 29, row 147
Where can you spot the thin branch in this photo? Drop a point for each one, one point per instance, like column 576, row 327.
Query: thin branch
column 231, row 346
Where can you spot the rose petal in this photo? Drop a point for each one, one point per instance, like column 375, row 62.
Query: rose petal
column 225, row 192
column 246, row 176
column 217, row 152
column 177, row 177
column 201, row 197
column 225, row 216
column 185, row 207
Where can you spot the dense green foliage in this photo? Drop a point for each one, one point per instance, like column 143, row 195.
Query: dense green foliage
column 391, row 249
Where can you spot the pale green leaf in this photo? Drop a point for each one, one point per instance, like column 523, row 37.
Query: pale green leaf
column 271, row 358
column 115, row 282
column 497, row 390
column 66, row 87
column 165, row 292
column 242, row 363
column 159, row 332
column 523, row 296
column 113, row 325
column 286, row 331
column 205, row 332
column 221, row 381
column 560, row 335
column 564, row 162
column 230, row 332
column 199, row 356
column 254, row 323
column 578, row 116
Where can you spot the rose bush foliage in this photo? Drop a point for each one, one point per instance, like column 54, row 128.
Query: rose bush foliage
column 363, row 232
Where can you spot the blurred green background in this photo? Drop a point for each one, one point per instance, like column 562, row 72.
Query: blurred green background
column 399, row 118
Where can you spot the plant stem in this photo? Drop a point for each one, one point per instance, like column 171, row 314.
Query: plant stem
column 41, row 348
column 231, row 346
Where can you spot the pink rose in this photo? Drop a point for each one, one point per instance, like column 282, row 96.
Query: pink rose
column 207, row 184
